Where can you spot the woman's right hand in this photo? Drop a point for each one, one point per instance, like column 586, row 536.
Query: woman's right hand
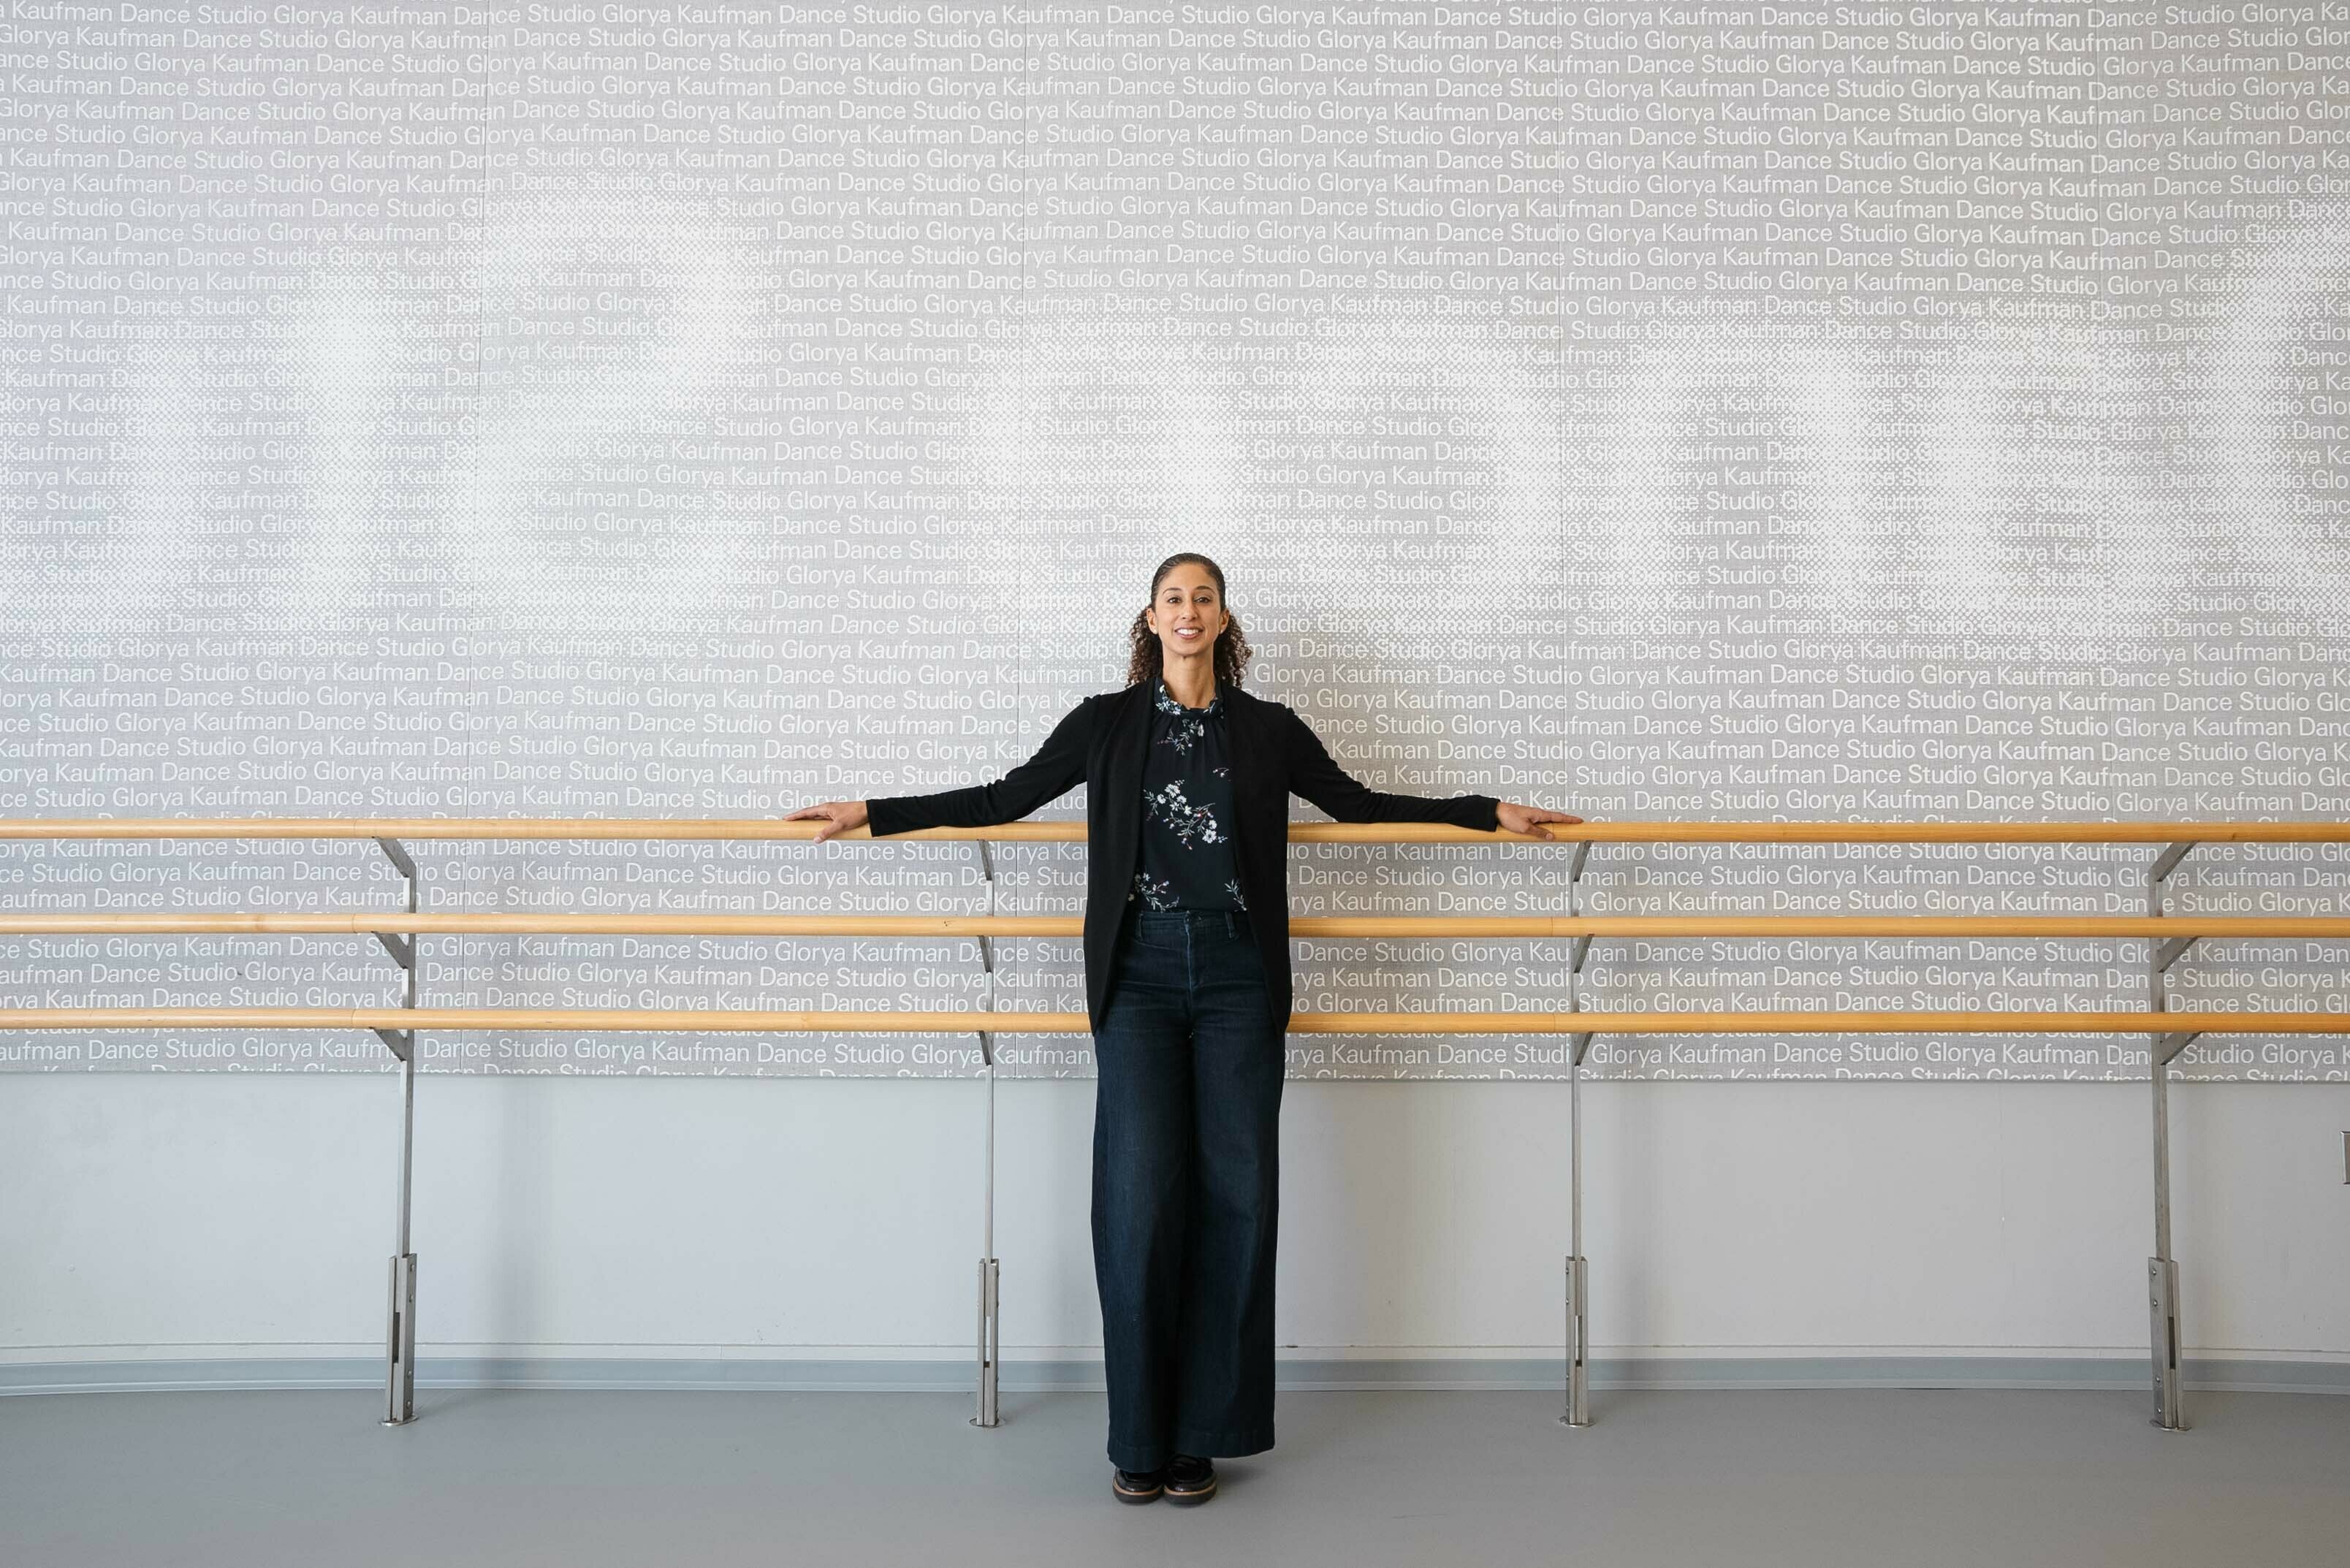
column 840, row 815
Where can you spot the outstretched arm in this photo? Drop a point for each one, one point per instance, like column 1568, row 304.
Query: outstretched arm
column 1315, row 776
column 1058, row 767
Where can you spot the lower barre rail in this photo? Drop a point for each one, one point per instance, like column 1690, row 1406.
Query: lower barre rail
column 719, row 1019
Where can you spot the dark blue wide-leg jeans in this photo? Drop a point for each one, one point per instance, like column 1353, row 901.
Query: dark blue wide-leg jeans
column 1187, row 1189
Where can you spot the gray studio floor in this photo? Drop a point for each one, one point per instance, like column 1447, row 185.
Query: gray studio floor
column 1752, row 1477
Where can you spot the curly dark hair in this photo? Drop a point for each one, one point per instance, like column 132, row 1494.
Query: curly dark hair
column 1229, row 657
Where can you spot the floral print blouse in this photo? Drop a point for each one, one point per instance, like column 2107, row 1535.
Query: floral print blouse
column 1187, row 811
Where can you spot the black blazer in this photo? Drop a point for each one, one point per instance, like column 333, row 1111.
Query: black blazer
column 1101, row 744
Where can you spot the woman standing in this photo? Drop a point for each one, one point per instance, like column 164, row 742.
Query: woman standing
column 1188, row 991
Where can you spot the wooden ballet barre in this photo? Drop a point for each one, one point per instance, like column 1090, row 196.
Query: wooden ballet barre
column 361, row 923
column 769, row 829
column 695, row 1020
column 400, row 933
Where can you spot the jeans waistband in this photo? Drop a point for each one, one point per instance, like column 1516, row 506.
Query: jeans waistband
column 1232, row 923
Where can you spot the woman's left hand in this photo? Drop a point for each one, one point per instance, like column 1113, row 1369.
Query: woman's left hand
column 1516, row 818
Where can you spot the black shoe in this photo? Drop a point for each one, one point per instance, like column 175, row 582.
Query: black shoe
column 1138, row 1486
column 1190, row 1479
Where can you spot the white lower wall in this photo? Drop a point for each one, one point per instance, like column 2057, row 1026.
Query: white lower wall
column 149, row 1216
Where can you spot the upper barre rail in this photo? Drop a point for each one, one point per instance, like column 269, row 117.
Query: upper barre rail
column 2173, row 926
column 730, row 1020
column 761, row 828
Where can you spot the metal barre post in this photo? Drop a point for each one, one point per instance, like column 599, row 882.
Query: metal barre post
column 1578, row 1268
column 2162, row 1269
column 399, row 1362
column 990, row 1278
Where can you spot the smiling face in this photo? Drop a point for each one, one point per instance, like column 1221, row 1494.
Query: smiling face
column 1187, row 614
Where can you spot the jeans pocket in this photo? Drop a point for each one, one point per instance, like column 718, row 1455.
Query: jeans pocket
column 1153, row 965
column 1153, row 936
column 1239, row 945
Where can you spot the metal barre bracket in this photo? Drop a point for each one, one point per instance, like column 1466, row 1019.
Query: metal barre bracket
column 1577, row 1045
column 986, row 956
column 2165, row 954
column 2161, row 955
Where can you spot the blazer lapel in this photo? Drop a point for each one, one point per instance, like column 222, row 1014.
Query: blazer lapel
column 1128, row 749
column 1249, row 761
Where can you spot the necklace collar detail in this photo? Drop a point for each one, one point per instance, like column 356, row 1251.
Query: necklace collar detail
column 1167, row 704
